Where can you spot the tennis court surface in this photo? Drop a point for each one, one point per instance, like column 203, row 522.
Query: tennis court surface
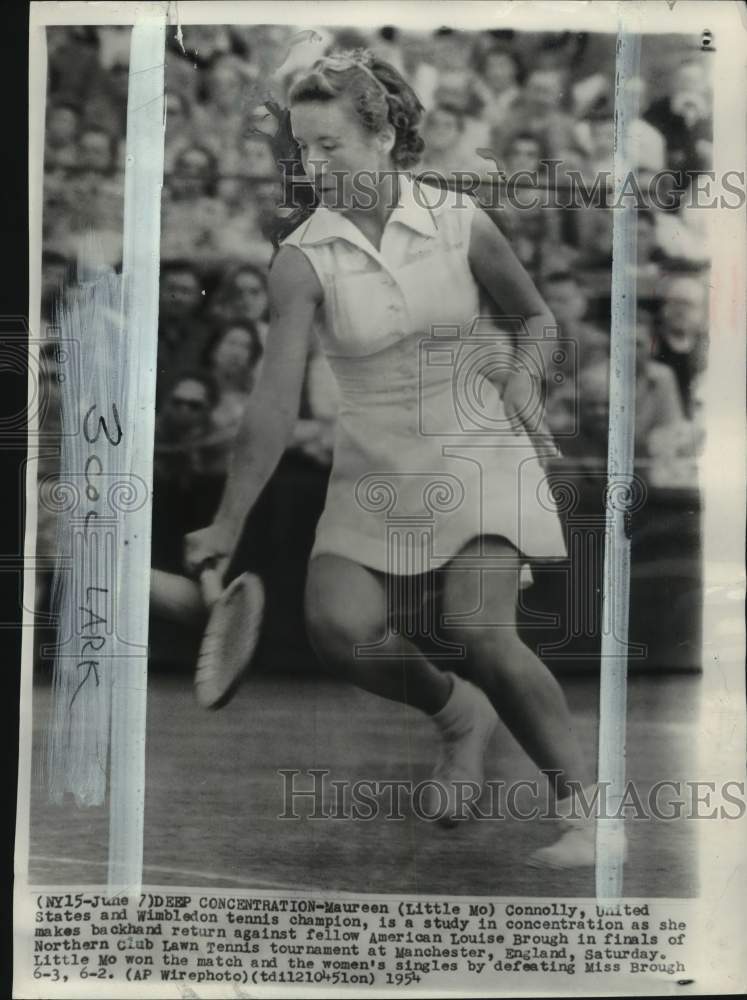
column 214, row 796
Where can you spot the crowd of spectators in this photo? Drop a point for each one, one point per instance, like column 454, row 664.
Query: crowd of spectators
column 494, row 101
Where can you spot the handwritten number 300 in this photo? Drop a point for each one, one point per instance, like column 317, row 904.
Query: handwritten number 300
column 92, row 439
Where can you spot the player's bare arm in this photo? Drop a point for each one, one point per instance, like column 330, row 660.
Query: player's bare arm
column 272, row 410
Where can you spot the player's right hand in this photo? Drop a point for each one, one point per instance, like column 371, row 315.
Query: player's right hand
column 211, row 546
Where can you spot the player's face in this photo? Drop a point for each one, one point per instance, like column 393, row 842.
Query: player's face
column 339, row 155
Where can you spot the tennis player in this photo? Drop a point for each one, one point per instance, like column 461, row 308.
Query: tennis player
column 380, row 263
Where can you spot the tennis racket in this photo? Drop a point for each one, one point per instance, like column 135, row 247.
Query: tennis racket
column 230, row 637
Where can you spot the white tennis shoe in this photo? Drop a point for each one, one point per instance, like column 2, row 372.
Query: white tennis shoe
column 576, row 847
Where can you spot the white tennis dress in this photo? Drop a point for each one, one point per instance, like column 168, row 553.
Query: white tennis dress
column 424, row 460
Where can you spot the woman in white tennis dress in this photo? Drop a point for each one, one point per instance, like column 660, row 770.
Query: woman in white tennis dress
column 437, row 496
column 416, row 411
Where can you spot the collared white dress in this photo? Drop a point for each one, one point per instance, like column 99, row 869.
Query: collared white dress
column 424, row 458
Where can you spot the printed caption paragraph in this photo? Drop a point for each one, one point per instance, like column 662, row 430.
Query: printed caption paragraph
column 240, row 940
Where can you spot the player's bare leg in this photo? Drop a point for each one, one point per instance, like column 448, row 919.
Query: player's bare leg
column 523, row 690
column 346, row 608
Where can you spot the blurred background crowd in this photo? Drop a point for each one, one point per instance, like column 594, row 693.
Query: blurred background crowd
column 494, row 101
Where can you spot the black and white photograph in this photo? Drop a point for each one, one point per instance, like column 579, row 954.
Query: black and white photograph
column 384, row 592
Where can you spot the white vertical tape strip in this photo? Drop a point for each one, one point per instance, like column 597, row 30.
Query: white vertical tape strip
column 142, row 225
column 616, row 592
column 91, row 354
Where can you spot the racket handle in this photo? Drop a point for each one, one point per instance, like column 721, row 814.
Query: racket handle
column 212, row 586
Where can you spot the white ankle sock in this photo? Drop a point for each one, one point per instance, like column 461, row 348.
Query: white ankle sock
column 460, row 705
